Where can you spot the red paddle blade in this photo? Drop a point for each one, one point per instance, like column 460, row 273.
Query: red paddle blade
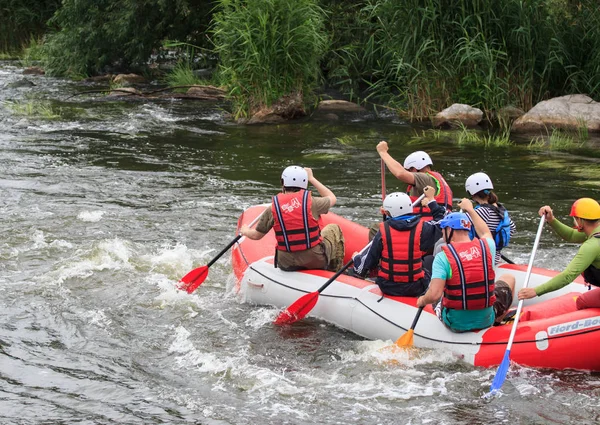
column 298, row 310
column 193, row 279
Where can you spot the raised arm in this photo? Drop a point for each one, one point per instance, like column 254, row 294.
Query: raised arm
column 480, row 227
column 394, row 166
column 323, row 190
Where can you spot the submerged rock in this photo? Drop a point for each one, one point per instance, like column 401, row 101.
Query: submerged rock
column 20, row 83
column 124, row 91
column 567, row 112
column 338, row 106
column 34, row 70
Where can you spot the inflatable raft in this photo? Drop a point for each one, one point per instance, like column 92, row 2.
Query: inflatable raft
column 551, row 332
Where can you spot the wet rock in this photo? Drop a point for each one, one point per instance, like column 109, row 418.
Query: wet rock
column 265, row 116
column 566, row 112
column 510, row 113
column 106, row 78
column 34, row 70
column 286, row 108
column 128, row 79
column 206, row 92
column 338, row 106
column 458, row 114
column 124, row 91
column 20, row 83
column 331, row 117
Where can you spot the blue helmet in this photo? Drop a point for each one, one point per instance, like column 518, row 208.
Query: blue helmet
column 456, row 221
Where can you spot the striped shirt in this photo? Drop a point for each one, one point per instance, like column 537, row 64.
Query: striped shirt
column 492, row 220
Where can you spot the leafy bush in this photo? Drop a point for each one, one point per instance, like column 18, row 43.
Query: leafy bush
column 268, row 49
column 21, row 20
column 95, row 34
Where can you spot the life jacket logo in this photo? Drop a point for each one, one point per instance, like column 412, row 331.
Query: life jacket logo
column 575, row 325
column 290, row 206
column 471, row 254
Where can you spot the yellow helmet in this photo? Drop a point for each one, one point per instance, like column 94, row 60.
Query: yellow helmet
column 586, row 208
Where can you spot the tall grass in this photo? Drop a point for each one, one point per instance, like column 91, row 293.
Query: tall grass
column 268, row 49
column 182, row 75
column 426, row 54
column 559, row 140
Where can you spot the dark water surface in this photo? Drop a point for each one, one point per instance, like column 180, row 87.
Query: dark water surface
column 107, row 204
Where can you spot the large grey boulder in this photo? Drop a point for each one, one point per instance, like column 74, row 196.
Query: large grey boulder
column 566, row 112
column 457, row 114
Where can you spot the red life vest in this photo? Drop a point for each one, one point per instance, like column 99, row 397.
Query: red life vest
column 443, row 198
column 295, row 227
column 471, row 286
column 401, row 255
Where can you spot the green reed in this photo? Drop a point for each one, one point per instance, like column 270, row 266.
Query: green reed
column 426, row 54
column 268, row 49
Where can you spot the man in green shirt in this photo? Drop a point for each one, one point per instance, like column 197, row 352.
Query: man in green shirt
column 586, row 216
column 417, row 173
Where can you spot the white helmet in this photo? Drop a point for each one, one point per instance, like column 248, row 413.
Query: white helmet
column 418, row 159
column 295, row 176
column 397, row 204
column 478, row 182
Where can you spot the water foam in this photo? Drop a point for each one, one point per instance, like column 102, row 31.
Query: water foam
column 91, row 216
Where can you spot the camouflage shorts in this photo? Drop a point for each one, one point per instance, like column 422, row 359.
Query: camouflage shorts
column 333, row 241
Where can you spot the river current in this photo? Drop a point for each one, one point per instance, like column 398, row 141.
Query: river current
column 105, row 204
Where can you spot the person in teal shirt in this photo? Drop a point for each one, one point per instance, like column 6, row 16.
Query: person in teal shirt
column 586, row 216
column 463, row 275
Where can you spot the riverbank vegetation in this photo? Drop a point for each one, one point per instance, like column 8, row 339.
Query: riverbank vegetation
column 416, row 56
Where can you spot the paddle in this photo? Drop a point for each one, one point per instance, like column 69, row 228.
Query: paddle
column 508, row 260
column 503, row 368
column 303, row 305
column 406, row 340
column 383, row 185
column 196, row 277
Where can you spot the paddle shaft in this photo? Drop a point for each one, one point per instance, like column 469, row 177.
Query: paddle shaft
column 342, row 270
column 527, row 276
column 508, row 260
column 416, row 319
column 230, row 244
column 383, row 184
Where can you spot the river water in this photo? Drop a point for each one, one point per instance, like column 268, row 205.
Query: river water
column 106, row 204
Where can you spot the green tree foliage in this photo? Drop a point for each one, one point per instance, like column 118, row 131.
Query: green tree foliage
column 20, row 20
column 94, row 34
column 268, row 49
